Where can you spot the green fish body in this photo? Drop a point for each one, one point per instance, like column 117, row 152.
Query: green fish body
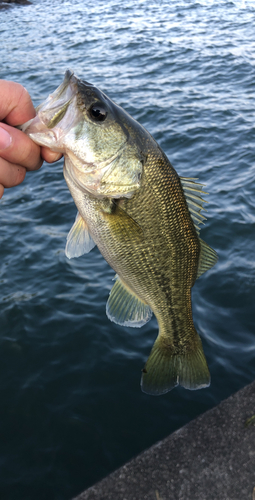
column 142, row 216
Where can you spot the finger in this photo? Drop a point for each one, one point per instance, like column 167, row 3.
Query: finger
column 22, row 150
column 11, row 175
column 16, row 107
column 1, row 190
column 50, row 156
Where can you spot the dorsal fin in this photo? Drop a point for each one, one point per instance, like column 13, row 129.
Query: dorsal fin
column 207, row 258
column 193, row 194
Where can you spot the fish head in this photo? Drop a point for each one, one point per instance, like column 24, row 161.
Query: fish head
column 102, row 155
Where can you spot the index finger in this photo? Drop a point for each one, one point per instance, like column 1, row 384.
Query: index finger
column 17, row 106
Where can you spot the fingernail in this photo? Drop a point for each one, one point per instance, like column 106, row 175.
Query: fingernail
column 5, row 139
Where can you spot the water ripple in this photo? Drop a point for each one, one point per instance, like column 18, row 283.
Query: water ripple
column 72, row 409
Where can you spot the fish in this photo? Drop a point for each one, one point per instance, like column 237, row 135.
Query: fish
column 144, row 219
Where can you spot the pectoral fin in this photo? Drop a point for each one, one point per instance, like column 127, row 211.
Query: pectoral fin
column 79, row 240
column 125, row 308
column 121, row 222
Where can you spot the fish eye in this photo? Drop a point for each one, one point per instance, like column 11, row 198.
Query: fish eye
column 98, row 112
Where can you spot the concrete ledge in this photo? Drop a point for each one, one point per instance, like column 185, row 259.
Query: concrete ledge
column 211, row 458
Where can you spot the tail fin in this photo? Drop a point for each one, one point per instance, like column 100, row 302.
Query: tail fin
column 166, row 367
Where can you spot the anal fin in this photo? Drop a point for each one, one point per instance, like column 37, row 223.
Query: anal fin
column 125, row 308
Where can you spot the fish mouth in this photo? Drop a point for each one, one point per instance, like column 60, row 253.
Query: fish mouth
column 50, row 112
column 55, row 116
column 59, row 113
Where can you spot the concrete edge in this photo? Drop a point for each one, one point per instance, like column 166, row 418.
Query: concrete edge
column 210, row 458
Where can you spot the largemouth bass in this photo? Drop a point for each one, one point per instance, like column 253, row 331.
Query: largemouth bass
column 143, row 217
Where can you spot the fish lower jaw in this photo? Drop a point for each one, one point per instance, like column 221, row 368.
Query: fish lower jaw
column 47, row 139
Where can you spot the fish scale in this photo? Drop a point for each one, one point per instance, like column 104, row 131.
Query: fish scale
column 142, row 216
column 170, row 254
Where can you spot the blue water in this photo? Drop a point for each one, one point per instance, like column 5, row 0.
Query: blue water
column 71, row 405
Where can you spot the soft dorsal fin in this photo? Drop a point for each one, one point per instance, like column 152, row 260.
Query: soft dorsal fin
column 193, row 191
column 79, row 240
column 125, row 308
column 207, row 258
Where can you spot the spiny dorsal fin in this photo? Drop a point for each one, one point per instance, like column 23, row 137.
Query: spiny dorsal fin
column 207, row 258
column 193, row 191
column 79, row 240
column 125, row 308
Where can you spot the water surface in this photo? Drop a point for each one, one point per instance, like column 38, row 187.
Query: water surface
column 71, row 405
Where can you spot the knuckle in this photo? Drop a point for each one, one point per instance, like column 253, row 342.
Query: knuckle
column 23, row 96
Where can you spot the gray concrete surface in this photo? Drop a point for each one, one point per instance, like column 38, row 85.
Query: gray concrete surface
column 211, row 458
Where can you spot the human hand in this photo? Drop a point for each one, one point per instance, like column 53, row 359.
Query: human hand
column 18, row 153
